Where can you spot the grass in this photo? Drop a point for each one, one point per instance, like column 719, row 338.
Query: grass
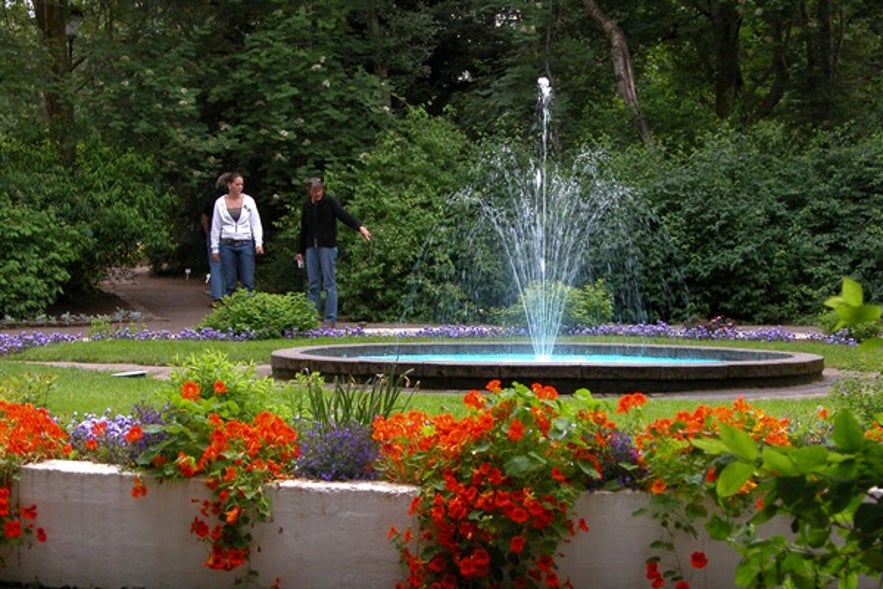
column 85, row 391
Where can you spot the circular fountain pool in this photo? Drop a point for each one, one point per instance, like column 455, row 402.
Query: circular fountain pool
column 601, row 368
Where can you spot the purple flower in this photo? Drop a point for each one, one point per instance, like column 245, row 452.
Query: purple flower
column 336, row 452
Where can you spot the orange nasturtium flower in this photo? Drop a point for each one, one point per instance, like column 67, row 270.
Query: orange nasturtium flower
column 219, row 387
column 516, row 430
column 139, row 489
column 190, row 390
column 134, row 434
column 658, row 486
column 630, row 401
column 494, row 386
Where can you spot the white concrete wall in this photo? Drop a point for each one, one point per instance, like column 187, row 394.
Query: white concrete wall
column 321, row 535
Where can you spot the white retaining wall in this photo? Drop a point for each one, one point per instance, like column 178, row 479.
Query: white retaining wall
column 322, row 535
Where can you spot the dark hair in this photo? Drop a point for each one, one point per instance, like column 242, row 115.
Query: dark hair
column 222, row 180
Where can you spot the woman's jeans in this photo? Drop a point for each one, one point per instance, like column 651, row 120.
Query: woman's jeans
column 321, row 263
column 216, row 282
column 237, row 262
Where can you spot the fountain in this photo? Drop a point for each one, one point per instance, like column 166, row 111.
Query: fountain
column 544, row 220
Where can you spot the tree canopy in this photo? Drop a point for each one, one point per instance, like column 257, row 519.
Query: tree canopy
column 281, row 90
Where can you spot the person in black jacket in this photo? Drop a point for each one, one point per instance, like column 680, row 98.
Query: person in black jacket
column 317, row 246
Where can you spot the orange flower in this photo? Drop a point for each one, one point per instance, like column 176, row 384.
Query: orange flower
column 516, row 430
column 134, row 434
column 474, row 400
column 99, row 429
column 822, row 413
column 139, row 489
column 190, row 390
column 698, row 560
column 219, row 387
column 628, row 402
column 92, row 444
column 232, row 515
column 494, row 386
column 658, row 486
column 710, row 475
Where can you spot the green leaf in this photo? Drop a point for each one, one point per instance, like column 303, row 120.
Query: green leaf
column 809, row 458
column 519, row 465
column 852, row 293
column 733, row 477
column 778, row 461
column 848, row 434
column 739, row 443
column 710, row 445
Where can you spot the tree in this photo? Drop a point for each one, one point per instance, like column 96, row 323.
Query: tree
column 622, row 68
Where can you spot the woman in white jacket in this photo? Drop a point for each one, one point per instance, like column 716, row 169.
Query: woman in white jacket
column 237, row 235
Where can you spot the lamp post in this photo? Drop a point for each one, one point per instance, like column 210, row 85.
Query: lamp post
column 72, row 29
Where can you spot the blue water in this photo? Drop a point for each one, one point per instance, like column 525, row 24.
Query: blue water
column 515, row 358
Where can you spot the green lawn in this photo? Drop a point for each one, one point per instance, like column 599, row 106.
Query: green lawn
column 85, row 391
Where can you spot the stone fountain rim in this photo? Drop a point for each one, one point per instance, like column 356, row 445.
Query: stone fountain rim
column 743, row 367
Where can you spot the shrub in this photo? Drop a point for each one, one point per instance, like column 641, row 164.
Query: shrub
column 263, row 315
column 829, row 320
column 592, row 305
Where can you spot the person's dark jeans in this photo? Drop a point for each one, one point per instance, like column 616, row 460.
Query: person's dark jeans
column 321, row 263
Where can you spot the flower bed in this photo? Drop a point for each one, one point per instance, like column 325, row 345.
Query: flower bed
column 320, row 535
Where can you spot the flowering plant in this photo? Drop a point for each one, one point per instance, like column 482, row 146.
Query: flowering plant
column 27, row 434
column 212, row 432
column 117, row 439
column 496, row 486
column 686, row 470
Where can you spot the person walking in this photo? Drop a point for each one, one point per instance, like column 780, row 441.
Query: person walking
column 216, row 277
column 317, row 246
column 237, row 235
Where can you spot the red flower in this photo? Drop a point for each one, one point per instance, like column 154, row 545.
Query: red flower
column 12, row 528
column 516, row 430
column 134, row 434
column 99, row 429
column 139, row 489
column 698, row 560
column 628, row 402
column 41, row 535
column 190, row 391
column 682, row 584
column 219, row 387
column 516, row 545
column 653, row 570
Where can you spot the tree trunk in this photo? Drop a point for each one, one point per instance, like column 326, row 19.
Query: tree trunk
column 622, row 68
column 51, row 17
column 725, row 23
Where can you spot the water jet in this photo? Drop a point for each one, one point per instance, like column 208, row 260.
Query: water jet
column 545, row 218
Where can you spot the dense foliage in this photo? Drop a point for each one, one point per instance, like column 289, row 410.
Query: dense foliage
column 262, row 315
column 762, row 155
